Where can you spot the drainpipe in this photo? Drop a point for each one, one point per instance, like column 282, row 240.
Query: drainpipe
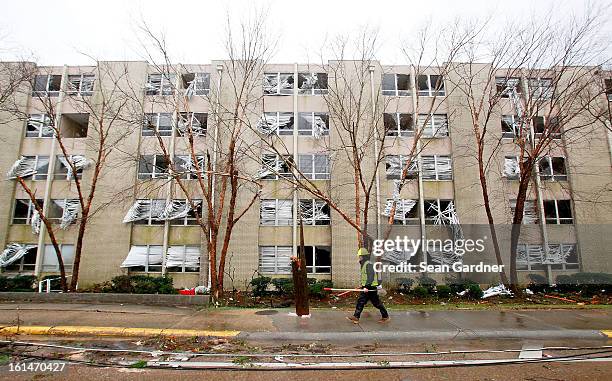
column 417, row 132
column 376, row 152
column 214, row 157
column 296, row 199
column 50, row 170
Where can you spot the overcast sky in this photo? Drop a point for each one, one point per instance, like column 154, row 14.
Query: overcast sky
column 59, row 31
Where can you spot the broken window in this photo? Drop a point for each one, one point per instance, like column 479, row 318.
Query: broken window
column 406, row 211
column 398, row 124
column 511, row 168
column 541, row 88
column 436, row 167
column 276, row 212
column 318, row 259
column 430, row 85
column 50, row 263
column 63, row 169
column 396, row 84
column 185, row 168
column 19, row 257
column 558, row 212
column 157, row 123
column 530, row 211
column 24, row 211
column 511, row 126
column 81, row 84
column 74, row 125
column 26, row 166
column 160, row 84
column 153, row 167
column 395, row 165
column 312, row 83
column 64, row 212
column 275, row 259
column 314, row 166
column 146, row 258
column 47, row 85
column 313, row 124
column 146, row 212
column 562, row 256
column 608, row 88
column 196, row 84
column 274, row 167
column 194, row 121
column 552, row 168
column 39, row 126
column 278, row 84
column 504, row 86
column 433, row 125
column 439, row 212
column 280, row 123
column 529, row 257
column 315, row 212
column 183, row 259
column 180, row 212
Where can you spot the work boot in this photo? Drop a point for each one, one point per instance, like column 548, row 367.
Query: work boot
column 353, row 319
column 384, row 320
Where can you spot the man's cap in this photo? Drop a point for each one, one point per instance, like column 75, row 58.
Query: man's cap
column 362, row 252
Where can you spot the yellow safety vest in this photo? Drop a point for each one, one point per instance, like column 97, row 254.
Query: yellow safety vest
column 364, row 275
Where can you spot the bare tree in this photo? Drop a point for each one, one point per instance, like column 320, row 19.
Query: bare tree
column 104, row 106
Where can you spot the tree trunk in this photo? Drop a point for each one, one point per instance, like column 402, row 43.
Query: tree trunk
column 300, row 279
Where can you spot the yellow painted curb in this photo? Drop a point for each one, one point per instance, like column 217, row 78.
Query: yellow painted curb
column 607, row 333
column 110, row 331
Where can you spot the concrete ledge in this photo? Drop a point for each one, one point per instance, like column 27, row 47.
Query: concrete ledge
column 147, row 299
column 387, row 336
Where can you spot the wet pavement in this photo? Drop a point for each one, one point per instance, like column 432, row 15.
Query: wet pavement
column 321, row 320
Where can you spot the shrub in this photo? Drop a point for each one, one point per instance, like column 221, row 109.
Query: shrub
column 260, row 285
column 566, row 283
column 428, row 283
column 316, row 290
column 443, row 291
column 21, row 283
column 459, row 285
column 404, row 285
column 420, row 292
column 474, row 291
column 140, row 284
column 537, row 283
column 284, row 286
column 587, row 283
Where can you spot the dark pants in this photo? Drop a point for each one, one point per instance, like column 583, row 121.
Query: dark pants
column 372, row 296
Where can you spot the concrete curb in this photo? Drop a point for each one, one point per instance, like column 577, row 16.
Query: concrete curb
column 575, row 334
column 67, row 330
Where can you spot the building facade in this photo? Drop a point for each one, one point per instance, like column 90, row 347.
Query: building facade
column 142, row 224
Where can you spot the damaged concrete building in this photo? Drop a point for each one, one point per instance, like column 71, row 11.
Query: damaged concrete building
column 149, row 232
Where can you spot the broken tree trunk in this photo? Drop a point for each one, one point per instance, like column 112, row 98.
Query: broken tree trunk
column 300, row 279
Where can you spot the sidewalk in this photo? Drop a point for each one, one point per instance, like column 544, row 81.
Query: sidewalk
column 323, row 324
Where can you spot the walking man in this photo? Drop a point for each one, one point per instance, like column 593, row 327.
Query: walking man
column 369, row 288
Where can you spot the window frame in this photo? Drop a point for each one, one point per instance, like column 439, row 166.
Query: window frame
column 183, row 268
column 275, row 203
column 276, row 116
column 54, row 201
column 411, row 173
column 430, row 125
column 537, row 92
column 528, row 265
column 557, row 219
column 552, row 176
column 80, row 90
column 501, row 86
column 431, row 91
column 68, row 175
column 397, row 120
column 31, row 208
column 189, row 175
column 396, row 92
column 313, row 90
column 21, row 266
column 405, row 221
column 137, row 269
column 313, row 174
column 314, row 202
column 150, row 221
column 198, row 78
column 164, row 88
column 46, row 91
column 429, row 219
column 45, row 120
column 514, row 119
column 312, row 269
column 157, row 116
column 437, row 176
column 67, row 266
column 155, row 174
column 190, row 117
column 517, row 176
column 286, row 267
column 278, row 175
column 279, row 91
column 533, row 205
column 188, row 220
column 312, row 115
